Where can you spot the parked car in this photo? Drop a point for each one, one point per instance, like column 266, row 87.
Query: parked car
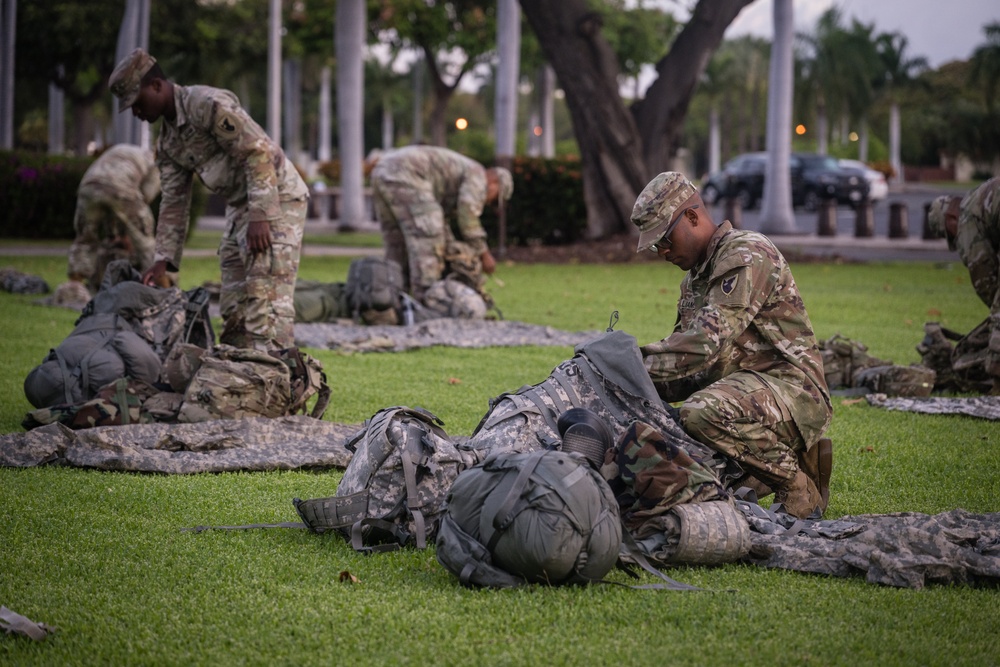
column 878, row 187
column 813, row 178
column 821, row 177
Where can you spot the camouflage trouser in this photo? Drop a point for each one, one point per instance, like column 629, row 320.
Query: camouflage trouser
column 109, row 227
column 740, row 417
column 414, row 232
column 257, row 293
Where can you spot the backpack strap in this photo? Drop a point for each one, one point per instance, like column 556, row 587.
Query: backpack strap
column 505, row 513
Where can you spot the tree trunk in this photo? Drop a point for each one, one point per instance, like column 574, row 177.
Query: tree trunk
column 620, row 152
column 610, row 148
column 894, row 156
column 714, row 155
column 507, row 75
column 777, row 216
column 863, row 139
column 660, row 115
column 350, row 47
column 274, row 71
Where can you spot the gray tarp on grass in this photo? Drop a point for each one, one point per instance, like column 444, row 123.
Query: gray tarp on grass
column 985, row 407
column 287, row 443
column 445, row 331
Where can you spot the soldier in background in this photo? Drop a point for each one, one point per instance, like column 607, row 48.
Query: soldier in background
column 206, row 132
column 972, row 227
column 742, row 356
column 416, row 191
column 113, row 219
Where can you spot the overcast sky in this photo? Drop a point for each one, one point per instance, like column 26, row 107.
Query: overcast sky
column 939, row 31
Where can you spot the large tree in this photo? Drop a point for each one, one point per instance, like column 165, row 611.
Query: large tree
column 622, row 148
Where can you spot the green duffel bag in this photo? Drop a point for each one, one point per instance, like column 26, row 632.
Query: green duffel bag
column 320, row 302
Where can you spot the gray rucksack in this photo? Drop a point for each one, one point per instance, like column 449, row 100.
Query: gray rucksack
column 374, row 290
column 393, row 491
column 607, row 377
column 541, row 517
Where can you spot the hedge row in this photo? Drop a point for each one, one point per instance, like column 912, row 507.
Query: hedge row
column 547, row 206
column 38, row 199
column 38, row 194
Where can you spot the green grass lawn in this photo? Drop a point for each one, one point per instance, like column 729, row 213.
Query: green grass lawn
column 101, row 555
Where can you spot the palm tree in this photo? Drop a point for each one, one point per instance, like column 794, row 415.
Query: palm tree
column 350, row 48
column 777, row 216
column 986, row 65
column 899, row 71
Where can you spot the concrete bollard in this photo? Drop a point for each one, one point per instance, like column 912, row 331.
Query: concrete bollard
column 826, row 223
column 864, row 219
column 899, row 227
column 927, row 235
column 734, row 212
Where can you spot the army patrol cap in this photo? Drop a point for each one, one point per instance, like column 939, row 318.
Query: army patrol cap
column 659, row 206
column 506, row 181
column 935, row 216
column 126, row 79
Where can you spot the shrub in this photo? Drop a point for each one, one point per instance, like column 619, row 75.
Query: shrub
column 38, row 194
column 547, row 206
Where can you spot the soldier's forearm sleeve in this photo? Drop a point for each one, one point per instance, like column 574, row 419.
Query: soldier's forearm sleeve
column 175, row 213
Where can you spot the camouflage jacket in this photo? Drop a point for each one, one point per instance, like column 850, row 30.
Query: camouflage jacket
column 456, row 182
column 214, row 137
column 978, row 243
column 741, row 310
column 123, row 172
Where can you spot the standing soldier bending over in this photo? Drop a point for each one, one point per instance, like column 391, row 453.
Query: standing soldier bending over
column 113, row 219
column 972, row 226
column 742, row 356
column 416, row 190
column 206, row 132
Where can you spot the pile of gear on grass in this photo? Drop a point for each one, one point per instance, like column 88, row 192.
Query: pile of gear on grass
column 374, row 293
column 949, row 362
column 141, row 354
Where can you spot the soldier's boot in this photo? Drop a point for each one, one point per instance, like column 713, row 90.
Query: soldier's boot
column 817, row 464
column 799, row 497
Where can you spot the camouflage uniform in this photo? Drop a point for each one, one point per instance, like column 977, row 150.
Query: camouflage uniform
column 978, row 243
column 112, row 213
column 214, row 137
column 416, row 190
column 743, row 356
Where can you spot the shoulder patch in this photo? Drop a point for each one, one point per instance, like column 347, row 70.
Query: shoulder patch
column 227, row 125
column 728, row 285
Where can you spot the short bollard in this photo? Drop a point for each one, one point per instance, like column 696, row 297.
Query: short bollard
column 826, row 223
column 864, row 220
column 899, row 227
column 734, row 212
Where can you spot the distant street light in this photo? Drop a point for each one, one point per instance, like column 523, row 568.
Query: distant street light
column 853, row 136
column 800, row 129
column 461, row 123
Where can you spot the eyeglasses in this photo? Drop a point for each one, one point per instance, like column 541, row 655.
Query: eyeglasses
column 665, row 243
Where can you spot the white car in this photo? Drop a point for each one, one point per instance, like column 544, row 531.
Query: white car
column 878, row 187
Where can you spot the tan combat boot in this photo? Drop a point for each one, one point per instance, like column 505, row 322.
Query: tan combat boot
column 800, row 497
column 817, row 464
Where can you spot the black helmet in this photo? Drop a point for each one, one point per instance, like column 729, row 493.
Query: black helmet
column 583, row 432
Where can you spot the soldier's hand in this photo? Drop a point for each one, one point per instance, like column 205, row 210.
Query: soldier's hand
column 489, row 264
column 258, row 236
column 156, row 274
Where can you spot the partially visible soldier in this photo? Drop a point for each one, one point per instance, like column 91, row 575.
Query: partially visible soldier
column 113, row 219
column 206, row 132
column 417, row 190
column 972, row 226
column 742, row 356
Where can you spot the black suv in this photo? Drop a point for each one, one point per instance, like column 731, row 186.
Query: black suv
column 814, row 178
column 820, row 177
